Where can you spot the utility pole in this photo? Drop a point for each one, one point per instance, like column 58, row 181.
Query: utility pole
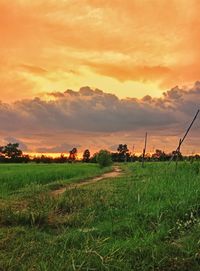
column 178, row 151
column 144, row 150
column 133, row 149
column 184, row 137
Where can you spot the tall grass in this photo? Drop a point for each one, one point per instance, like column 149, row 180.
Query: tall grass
column 147, row 219
column 16, row 176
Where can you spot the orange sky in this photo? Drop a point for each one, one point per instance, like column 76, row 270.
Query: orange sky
column 130, row 48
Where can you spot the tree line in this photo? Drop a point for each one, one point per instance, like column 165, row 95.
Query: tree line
column 11, row 153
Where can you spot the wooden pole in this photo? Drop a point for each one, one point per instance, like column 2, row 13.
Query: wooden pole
column 185, row 135
column 133, row 153
column 178, row 153
column 144, row 150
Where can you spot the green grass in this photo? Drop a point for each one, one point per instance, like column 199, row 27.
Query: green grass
column 147, row 219
column 15, row 177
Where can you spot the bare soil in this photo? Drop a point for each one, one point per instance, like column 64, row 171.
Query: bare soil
column 116, row 172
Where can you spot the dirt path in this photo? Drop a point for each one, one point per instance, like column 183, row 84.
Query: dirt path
column 116, row 172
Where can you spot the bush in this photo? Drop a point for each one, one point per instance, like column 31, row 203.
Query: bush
column 104, row 158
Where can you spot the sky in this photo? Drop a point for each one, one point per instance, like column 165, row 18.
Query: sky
column 93, row 74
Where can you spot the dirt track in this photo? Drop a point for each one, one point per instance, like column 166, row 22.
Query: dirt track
column 116, row 172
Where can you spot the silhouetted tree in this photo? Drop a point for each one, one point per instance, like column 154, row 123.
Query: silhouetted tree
column 115, row 156
column 157, row 154
column 177, row 155
column 123, row 152
column 46, row 159
column 93, row 159
column 1, row 151
column 2, row 156
column 160, row 155
column 12, row 151
column 60, row 159
column 86, row 156
column 22, row 159
column 73, row 155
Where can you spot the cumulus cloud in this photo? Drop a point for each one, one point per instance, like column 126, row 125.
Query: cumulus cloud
column 89, row 111
column 99, row 113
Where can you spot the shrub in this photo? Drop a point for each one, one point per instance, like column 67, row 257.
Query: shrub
column 104, row 158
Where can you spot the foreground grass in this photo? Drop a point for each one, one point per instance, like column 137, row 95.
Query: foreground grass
column 23, row 178
column 147, row 219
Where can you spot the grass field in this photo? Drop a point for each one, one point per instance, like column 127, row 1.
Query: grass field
column 147, row 219
column 17, row 178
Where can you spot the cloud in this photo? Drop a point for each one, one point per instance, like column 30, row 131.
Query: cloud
column 22, row 145
column 64, row 147
column 84, row 116
column 97, row 111
column 127, row 71
column 47, row 45
column 33, row 69
column 92, row 111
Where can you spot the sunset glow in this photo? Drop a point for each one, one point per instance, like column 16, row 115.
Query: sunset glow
column 132, row 50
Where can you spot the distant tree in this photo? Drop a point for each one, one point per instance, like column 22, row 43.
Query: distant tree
column 104, row 158
column 160, row 155
column 197, row 157
column 46, row 159
column 25, row 158
column 36, row 159
column 93, row 159
column 123, row 152
column 177, row 155
column 1, row 151
column 115, row 156
column 73, row 155
column 61, row 159
column 86, row 156
column 157, row 154
column 12, row 151
column 2, row 155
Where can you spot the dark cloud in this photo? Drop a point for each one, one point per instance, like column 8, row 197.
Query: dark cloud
column 97, row 111
column 94, row 111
